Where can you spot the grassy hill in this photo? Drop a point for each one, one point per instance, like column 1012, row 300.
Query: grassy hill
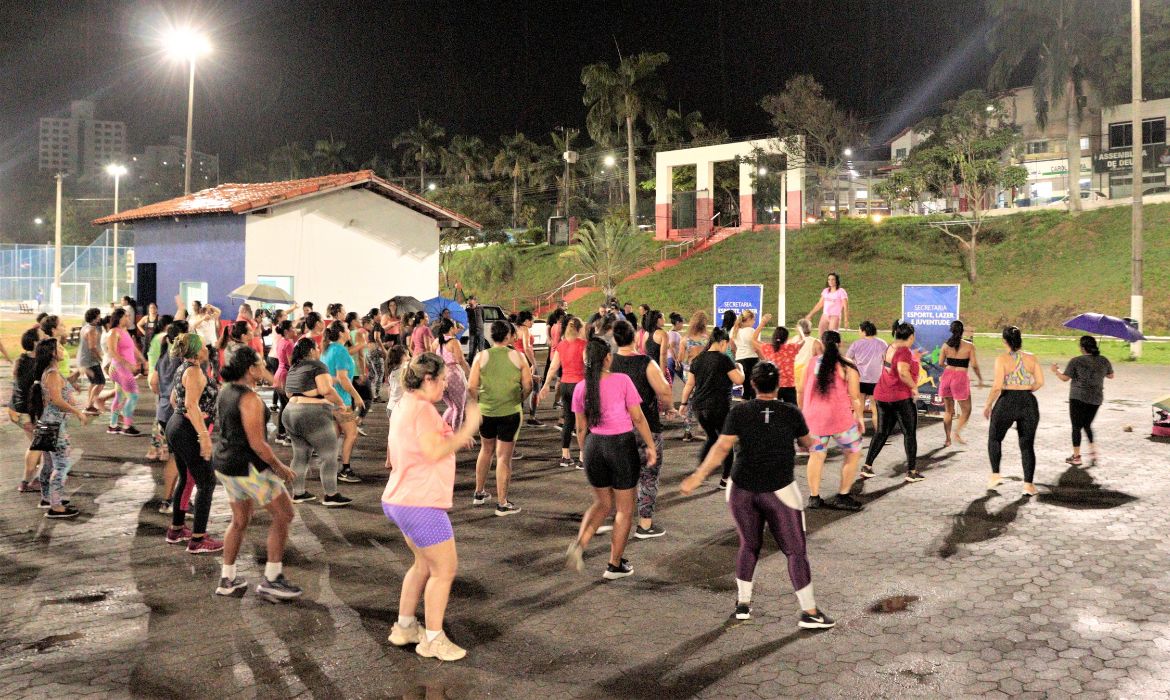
column 1035, row 269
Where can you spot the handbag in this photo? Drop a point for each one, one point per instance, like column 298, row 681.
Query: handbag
column 45, row 437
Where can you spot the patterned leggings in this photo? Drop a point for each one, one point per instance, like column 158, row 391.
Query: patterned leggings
column 54, row 469
column 648, row 477
column 377, row 364
column 126, row 398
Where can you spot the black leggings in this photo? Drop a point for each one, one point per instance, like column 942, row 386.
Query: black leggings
column 184, row 444
column 903, row 413
column 362, row 387
column 1082, row 415
column 565, row 392
column 712, row 420
column 748, row 363
column 1019, row 407
column 281, row 399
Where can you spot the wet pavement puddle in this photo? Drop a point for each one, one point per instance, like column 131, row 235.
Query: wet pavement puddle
column 893, row 604
column 1077, row 489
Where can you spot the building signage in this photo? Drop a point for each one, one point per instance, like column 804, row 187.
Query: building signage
column 1056, row 167
column 1154, row 157
column 739, row 298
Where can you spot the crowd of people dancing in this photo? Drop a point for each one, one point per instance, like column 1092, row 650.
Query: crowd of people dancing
column 613, row 376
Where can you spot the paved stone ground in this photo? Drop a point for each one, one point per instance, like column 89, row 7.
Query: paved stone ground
column 940, row 589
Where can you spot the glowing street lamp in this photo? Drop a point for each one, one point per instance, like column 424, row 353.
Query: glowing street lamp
column 186, row 44
column 115, row 171
column 610, row 161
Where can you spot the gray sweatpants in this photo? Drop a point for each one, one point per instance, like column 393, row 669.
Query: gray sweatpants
column 311, row 428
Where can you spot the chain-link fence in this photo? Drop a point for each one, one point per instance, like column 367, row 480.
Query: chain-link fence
column 90, row 275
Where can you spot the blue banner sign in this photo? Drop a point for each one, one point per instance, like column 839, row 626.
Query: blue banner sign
column 738, row 298
column 930, row 308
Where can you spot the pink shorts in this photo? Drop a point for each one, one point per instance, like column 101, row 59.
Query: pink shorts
column 954, row 384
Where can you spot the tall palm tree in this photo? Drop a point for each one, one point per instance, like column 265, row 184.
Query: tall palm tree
column 673, row 128
column 562, row 142
column 515, row 159
column 289, row 162
column 630, row 92
column 329, row 156
column 466, row 157
column 1063, row 39
column 421, row 145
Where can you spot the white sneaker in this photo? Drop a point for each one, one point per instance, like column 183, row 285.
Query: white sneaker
column 441, row 648
column 604, row 529
column 401, row 636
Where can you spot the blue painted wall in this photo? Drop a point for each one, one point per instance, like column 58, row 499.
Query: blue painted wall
column 194, row 249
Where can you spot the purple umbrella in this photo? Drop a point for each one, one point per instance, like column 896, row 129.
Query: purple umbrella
column 1100, row 324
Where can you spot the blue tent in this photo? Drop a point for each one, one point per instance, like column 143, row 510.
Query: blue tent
column 436, row 306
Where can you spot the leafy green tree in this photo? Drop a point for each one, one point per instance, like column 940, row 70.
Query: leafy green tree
column 968, row 153
column 609, row 251
column 421, row 145
column 330, row 156
column 465, row 158
column 515, row 160
column 252, row 170
column 813, row 129
column 1063, row 41
column 630, row 92
column 903, row 189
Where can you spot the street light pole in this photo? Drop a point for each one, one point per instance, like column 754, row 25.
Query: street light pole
column 1136, row 245
column 117, row 171
column 782, row 281
column 190, row 137
column 55, row 301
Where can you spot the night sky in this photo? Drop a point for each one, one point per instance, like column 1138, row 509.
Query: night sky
column 363, row 71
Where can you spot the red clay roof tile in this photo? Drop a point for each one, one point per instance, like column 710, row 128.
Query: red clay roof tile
column 242, row 198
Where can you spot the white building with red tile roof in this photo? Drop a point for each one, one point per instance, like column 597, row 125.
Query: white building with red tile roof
column 351, row 238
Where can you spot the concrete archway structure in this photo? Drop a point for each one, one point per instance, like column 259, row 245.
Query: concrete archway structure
column 704, row 159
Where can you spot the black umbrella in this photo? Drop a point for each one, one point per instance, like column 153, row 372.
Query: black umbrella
column 405, row 305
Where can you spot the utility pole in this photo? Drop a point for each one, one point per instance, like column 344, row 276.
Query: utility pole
column 190, row 135
column 1136, row 245
column 55, row 293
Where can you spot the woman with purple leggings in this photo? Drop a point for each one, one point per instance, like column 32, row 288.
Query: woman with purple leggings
column 421, row 459
column 762, row 489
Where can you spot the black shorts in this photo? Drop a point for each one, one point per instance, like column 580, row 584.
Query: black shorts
column 611, row 461
column 502, row 428
column 96, row 376
column 867, row 388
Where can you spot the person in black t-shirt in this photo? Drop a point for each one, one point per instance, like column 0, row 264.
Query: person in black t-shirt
column 708, row 392
column 762, row 489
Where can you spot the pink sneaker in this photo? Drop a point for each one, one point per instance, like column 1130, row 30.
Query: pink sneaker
column 178, row 535
column 204, row 545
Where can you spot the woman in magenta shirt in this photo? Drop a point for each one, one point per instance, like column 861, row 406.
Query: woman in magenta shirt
column 286, row 337
column 835, row 302
column 420, row 455
column 895, row 392
column 833, row 410
column 608, row 409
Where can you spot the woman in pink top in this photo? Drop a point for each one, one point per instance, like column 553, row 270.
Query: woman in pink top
column 421, row 458
column 832, row 409
column 286, row 338
column 608, row 410
column 421, row 338
column 835, row 302
column 125, row 359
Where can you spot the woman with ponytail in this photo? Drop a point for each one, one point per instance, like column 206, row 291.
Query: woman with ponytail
column 809, row 348
column 1012, row 400
column 342, row 368
column 609, row 410
column 282, row 349
column 833, row 410
column 894, row 393
column 709, row 388
column 955, row 384
column 51, row 401
column 1087, row 373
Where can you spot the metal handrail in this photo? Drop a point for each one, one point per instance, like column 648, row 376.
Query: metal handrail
column 577, row 278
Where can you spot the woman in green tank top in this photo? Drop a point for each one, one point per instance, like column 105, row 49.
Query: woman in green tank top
column 500, row 379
